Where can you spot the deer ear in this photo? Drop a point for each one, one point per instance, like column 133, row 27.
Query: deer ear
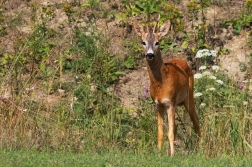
column 138, row 29
column 164, row 29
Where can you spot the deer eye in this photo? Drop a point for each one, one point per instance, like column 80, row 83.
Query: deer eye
column 143, row 43
column 157, row 43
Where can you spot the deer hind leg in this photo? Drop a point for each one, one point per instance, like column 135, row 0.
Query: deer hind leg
column 171, row 130
column 190, row 107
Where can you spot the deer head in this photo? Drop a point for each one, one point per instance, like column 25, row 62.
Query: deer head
column 151, row 39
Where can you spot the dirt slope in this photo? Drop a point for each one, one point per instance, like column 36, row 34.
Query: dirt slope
column 133, row 84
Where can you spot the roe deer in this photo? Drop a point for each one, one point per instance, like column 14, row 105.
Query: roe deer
column 171, row 83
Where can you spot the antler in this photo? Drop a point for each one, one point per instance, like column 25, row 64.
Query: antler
column 147, row 28
column 156, row 23
column 147, row 25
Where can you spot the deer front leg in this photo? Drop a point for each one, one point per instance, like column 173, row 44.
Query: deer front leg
column 171, row 121
column 160, row 118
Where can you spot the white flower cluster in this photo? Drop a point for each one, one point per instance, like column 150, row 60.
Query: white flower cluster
column 215, row 68
column 207, row 72
column 197, row 76
column 204, row 74
column 202, row 105
column 205, row 53
column 202, row 67
column 198, row 94
column 209, row 75
column 211, row 89
column 219, row 82
column 212, row 77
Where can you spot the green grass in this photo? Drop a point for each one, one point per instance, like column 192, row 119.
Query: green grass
column 34, row 158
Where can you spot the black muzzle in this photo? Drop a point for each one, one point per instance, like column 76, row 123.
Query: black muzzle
column 149, row 56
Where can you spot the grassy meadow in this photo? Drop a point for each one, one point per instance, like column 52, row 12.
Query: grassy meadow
column 60, row 102
column 34, row 158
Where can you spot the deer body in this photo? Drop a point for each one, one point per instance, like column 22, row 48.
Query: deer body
column 171, row 83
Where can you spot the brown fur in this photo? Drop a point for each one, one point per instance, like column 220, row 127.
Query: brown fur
column 171, row 84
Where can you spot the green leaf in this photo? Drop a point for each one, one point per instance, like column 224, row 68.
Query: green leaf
column 130, row 63
column 121, row 16
column 42, row 67
column 85, row 5
column 139, row 5
column 176, row 49
column 164, row 50
column 184, row 45
column 119, row 73
column 237, row 26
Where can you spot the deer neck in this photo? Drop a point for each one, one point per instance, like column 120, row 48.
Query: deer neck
column 156, row 69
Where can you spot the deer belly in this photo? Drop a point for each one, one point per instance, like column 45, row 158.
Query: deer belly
column 163, row 102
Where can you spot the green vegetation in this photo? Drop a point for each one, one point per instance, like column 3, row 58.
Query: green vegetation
column 59, row 90
column 33, row 158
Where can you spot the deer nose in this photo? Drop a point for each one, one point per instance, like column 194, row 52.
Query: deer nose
column 149, row 56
